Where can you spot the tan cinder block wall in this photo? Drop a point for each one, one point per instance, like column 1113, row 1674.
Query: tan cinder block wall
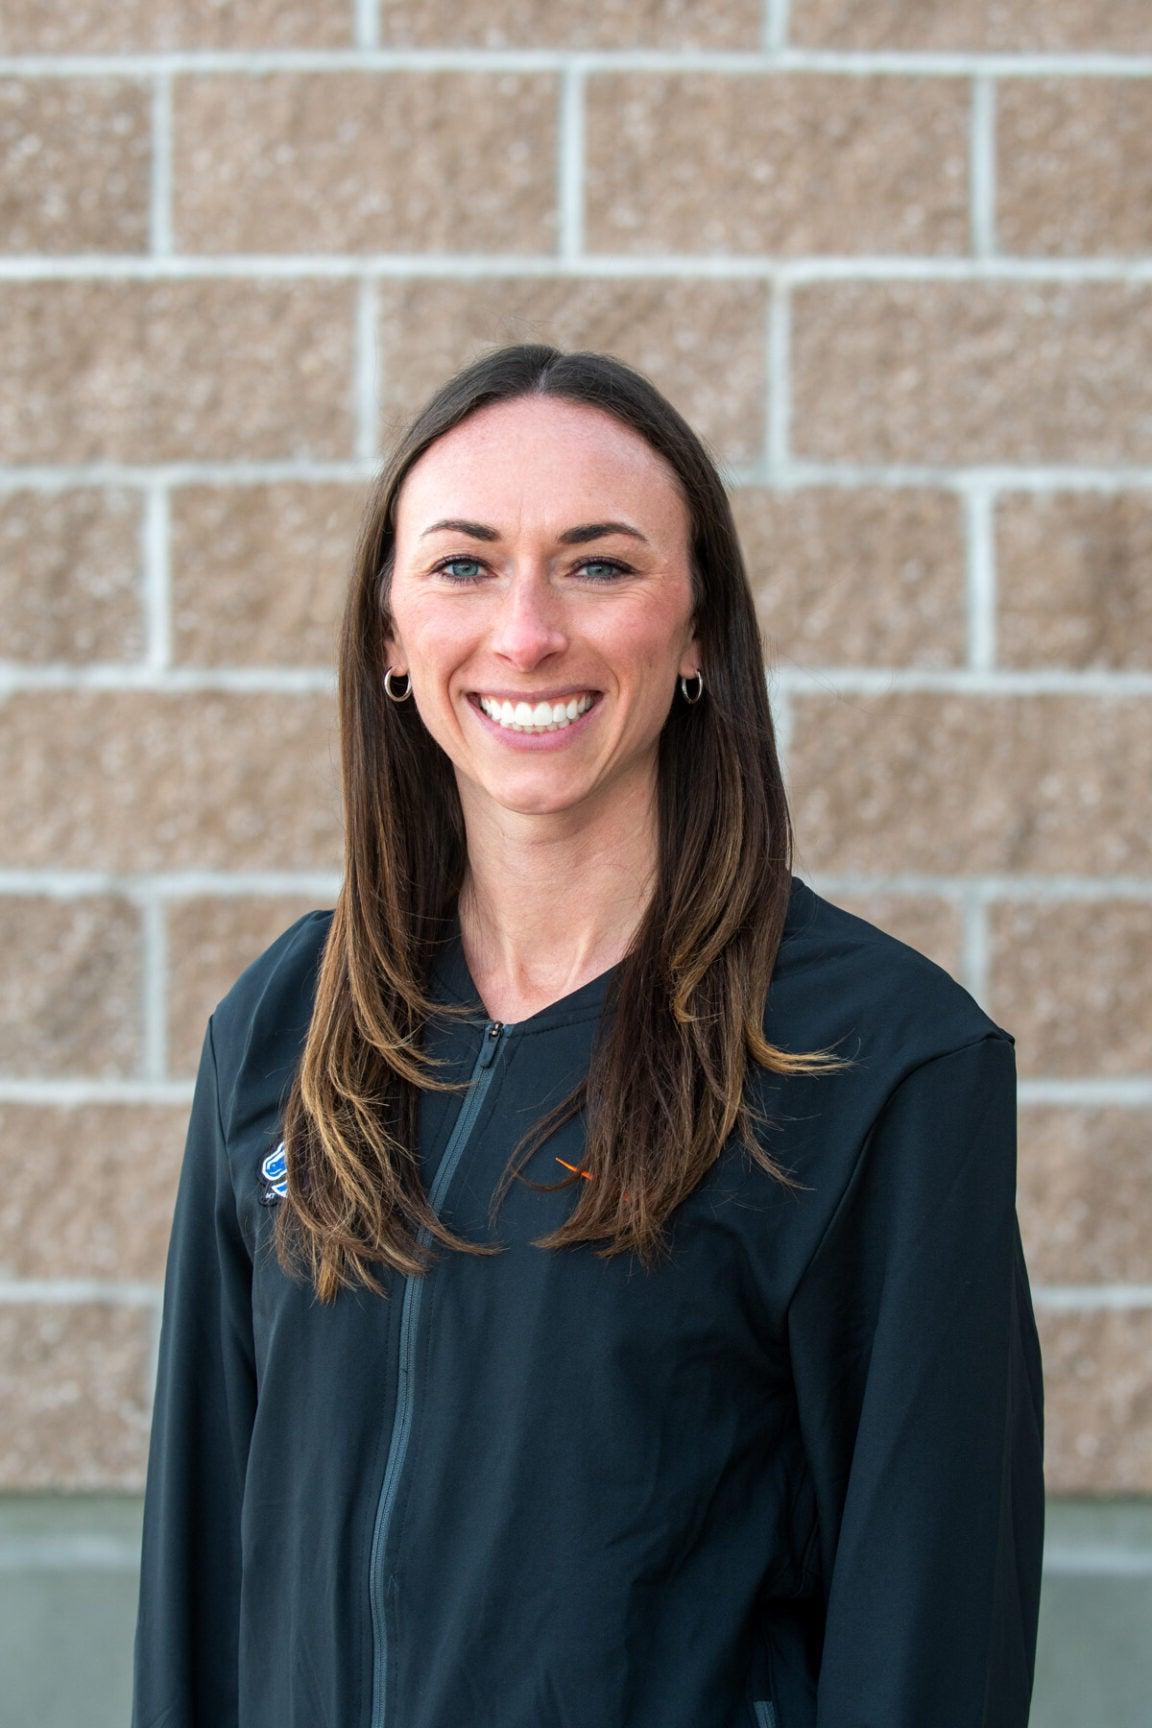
column 893, row 259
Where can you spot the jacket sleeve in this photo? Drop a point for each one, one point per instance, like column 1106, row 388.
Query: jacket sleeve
column 185, row 1651
column 918, row 1380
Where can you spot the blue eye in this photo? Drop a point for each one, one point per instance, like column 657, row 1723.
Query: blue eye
column 609, row 564
column 444, row 570
column 612, row 565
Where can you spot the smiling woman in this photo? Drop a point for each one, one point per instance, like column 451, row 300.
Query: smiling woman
column 713, row 1392
column 577, row 768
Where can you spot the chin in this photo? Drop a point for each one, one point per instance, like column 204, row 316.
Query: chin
column 540, row 800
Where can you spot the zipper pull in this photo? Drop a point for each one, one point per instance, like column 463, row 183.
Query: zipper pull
column 491, row 1042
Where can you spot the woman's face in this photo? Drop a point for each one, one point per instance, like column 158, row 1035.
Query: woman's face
column 531, row 597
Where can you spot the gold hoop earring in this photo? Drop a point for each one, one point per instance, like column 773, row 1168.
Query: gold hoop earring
column 699, row 687
column 388, row 676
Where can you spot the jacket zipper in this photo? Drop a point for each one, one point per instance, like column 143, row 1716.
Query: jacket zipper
column 409, row 1315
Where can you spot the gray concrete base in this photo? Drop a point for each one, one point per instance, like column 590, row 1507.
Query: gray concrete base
column 1094, row 1655
column 69, row 1577
column 68, row 1585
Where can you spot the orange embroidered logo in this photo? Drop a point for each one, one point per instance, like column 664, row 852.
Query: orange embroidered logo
column 587, row 1174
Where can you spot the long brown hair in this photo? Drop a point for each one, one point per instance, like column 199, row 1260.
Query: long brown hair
column 667, row 1083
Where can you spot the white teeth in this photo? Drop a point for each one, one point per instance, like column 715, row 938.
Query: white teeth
column 544, row 717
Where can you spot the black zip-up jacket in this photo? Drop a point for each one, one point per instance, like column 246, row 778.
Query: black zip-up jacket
column 790, row 1478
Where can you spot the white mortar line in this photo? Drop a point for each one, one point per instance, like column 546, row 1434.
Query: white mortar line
column 689, row 266
column 156, row 595
column 815, row 679
column 1087, row 888
column 1130, row 1094
column 160, row 191
column 975, row 944
column 777, row 458
column 805, row 681
column 1003, row 681
column 367, row 18
column 570, row 165
column 283, row 680
column 169, row 885
column 1083, row 477
column 992, row 887
column 774, row 26
column 240, row 884
column 782, row 719
column 154, row 992
column 64, row 1093
column 994, row 269
column 24, row 1292
column 980, row 567
column 367, row 381
column 1059, row 1297
column 73, row 1094
column 982, row 167
column 862, row 63
column 19, row 1291
column 150, row 1367
column 793, row 475
column 303, row 472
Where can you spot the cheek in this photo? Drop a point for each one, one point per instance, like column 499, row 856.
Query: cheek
column 644, row 652
column 437, row 640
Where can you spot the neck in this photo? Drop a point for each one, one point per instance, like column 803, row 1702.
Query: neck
column 549, row 903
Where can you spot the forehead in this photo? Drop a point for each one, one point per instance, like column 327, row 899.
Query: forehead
column 544, row 464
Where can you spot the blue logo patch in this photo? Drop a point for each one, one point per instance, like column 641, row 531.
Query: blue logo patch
column 275, row 1172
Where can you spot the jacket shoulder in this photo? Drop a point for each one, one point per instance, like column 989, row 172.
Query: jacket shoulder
column 260, row 1023
column 889, row 1006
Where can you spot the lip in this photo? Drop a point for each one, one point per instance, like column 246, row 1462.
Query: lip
column 558, row 693
column 558, row 740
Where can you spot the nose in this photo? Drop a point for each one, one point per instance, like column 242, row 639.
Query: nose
column 529, row 620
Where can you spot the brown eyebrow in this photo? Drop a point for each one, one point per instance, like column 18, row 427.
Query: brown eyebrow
column 571, row 537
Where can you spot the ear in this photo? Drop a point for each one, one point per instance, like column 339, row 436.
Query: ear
column 393, row 654
column 690, row 659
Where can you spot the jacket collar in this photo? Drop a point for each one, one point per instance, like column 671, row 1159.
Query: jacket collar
column 451, row 977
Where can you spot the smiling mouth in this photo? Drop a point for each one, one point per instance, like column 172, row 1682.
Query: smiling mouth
column 535, row 716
